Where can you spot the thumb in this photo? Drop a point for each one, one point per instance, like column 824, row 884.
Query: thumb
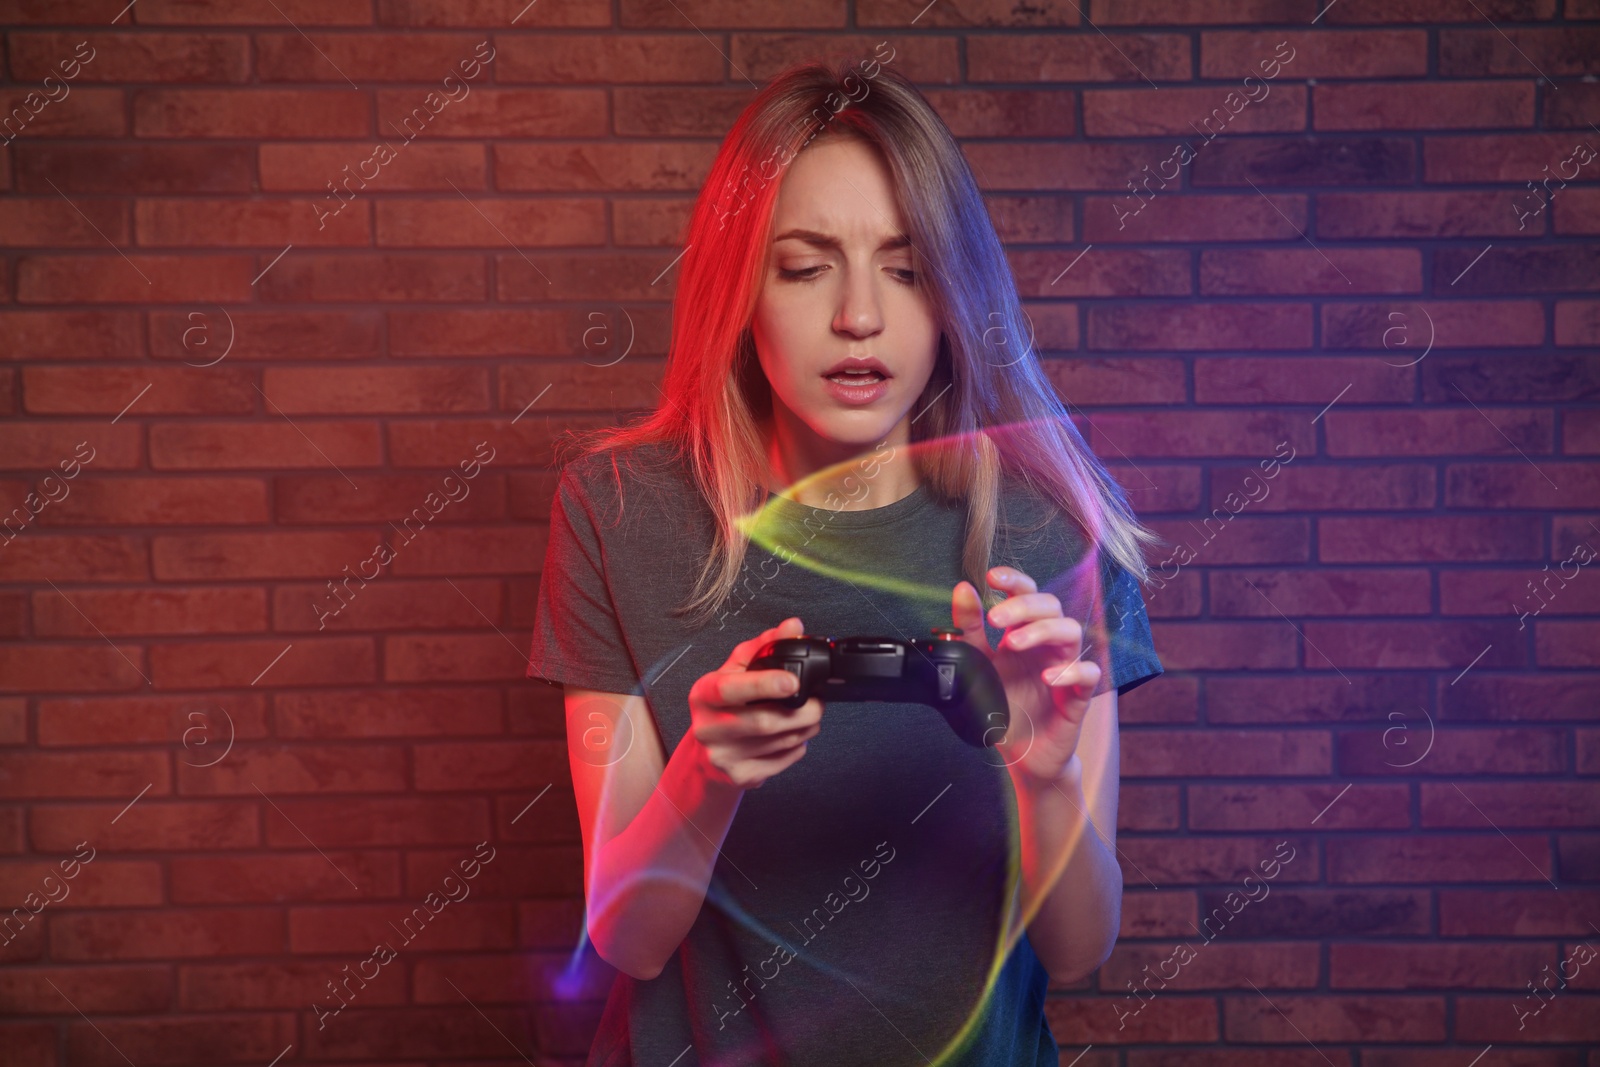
column 966, row 613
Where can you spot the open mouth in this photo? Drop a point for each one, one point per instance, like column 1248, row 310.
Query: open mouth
column 856, row 377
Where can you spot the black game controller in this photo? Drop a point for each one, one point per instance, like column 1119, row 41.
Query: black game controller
column 945, row 673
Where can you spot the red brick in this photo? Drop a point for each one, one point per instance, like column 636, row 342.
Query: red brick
column 32, row 1044
column 1325, row 913
column 1431, row 214
column 1147, row 807
column 1435, row 432
column 1516, row 912
column 54, row 668
column 1485, row 592
column 279, row 769
column 1248, row 272
column 103, row 990
column 1367, row 11
column 1294, row 807
column 58, row 12
column 133, row 279
column 1226, row 645
column 606, row 59
column 492, row 222
column 1519, row 50
column 1409, row 106
column 664, row 223
column 416, row 165
column 367, row 57
column 968, row 13
column 1566, row 643
column 818, row 14
column 456, row 1032
column 1146, row 112
column 1005, row 113
column 1577, row 322
column 1576, row 211
column 1427, row 539
column 289, row 985
column 1571, row 1018
column 256, row 12
column 148, row 826
column 1510, row 157
column 1457, row 858
column 386, row 276
column 268, row 447
column 1109, row 272
column 54, row 443
column 36, row 775
column 1323, row 591
column 192, row 222
column 1267, row 379
column 68, row 335
column 45, row 223
column 355, row 928
column 1572, row 105
column 675, row 112
column 925, row 59
column 482, row 333
column 200, row 337
column 1413, row 645
column 1017, row 219
column 1475, row 485
column 221, row 664
column 180, row 1040
column 514, row 873
column 149, row 611
column 1093, row 380
column 149, row 934
column 1078, row 57
column 1545, row 697
column 270, row 113
column 1503, row 965
column 492, row 113
column 1312, row 699
column 282, row 877
column 134, row 57
column 100, row 883
column 451, row 658
column 1317, row 53
column 490, row 765
column 1290, row 1018
column 1190, row 218
column 1520, row 269
column 1214, row 965
column 121, row 168
column 406, row 712
column 329, row 391
column 1165, row 1020
column 27, row 113
column 106, row 557
column 1452, row 752
column 159, row 502
column 587, row 167
column 1449, row 324
column 1315, row 161
column 1200, row 12
column 560, row 923
column 108, row 389
column 356, row 822
column 1179, row 753
column 1200, row 327
column 1538, row 805
column 258, row 555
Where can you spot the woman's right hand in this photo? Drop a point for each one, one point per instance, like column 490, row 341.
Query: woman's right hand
column 744, row 744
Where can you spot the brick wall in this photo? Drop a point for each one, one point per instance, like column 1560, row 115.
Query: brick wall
column 224, row 385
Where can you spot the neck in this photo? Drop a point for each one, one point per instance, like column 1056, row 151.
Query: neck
column 839, row 476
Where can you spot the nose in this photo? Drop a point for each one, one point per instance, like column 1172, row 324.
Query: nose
column 859, row 313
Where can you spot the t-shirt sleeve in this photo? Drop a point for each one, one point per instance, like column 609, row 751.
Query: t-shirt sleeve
column 1132, row 648
column 577, row 639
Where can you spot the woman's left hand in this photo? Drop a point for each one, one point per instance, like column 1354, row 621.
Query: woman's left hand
column 1047, row 684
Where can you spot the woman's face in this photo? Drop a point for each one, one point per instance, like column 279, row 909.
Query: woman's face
column 838, row 296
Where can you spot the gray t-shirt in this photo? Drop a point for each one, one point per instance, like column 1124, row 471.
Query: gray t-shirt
column 856, row 910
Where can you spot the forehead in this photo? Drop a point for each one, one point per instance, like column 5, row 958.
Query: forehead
column 840, row 186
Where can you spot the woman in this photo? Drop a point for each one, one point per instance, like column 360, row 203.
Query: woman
column 853, row 439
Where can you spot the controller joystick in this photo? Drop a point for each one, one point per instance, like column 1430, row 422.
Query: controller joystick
column 944, row 673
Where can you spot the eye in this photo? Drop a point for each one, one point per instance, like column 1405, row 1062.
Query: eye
column 909, row 277
column 804, row 274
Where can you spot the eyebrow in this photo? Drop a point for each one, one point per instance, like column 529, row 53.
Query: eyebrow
column 824, row 240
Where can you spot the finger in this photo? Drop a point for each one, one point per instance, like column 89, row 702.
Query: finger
column 1010, row 581
column 778, row 744
column 966, row 614
column 731, row 690
column 745, row 651
column 1072, row 674
column 1024, row 608
column 1060, row 635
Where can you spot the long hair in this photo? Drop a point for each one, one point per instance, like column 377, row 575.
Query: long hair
column 988, row 409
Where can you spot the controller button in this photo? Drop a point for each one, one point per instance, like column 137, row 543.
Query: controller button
column 947, row 680
column 946, row 633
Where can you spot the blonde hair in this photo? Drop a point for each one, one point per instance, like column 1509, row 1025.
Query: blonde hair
column 979, row 419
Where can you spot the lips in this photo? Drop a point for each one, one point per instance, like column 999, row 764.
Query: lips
column 857, row 372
